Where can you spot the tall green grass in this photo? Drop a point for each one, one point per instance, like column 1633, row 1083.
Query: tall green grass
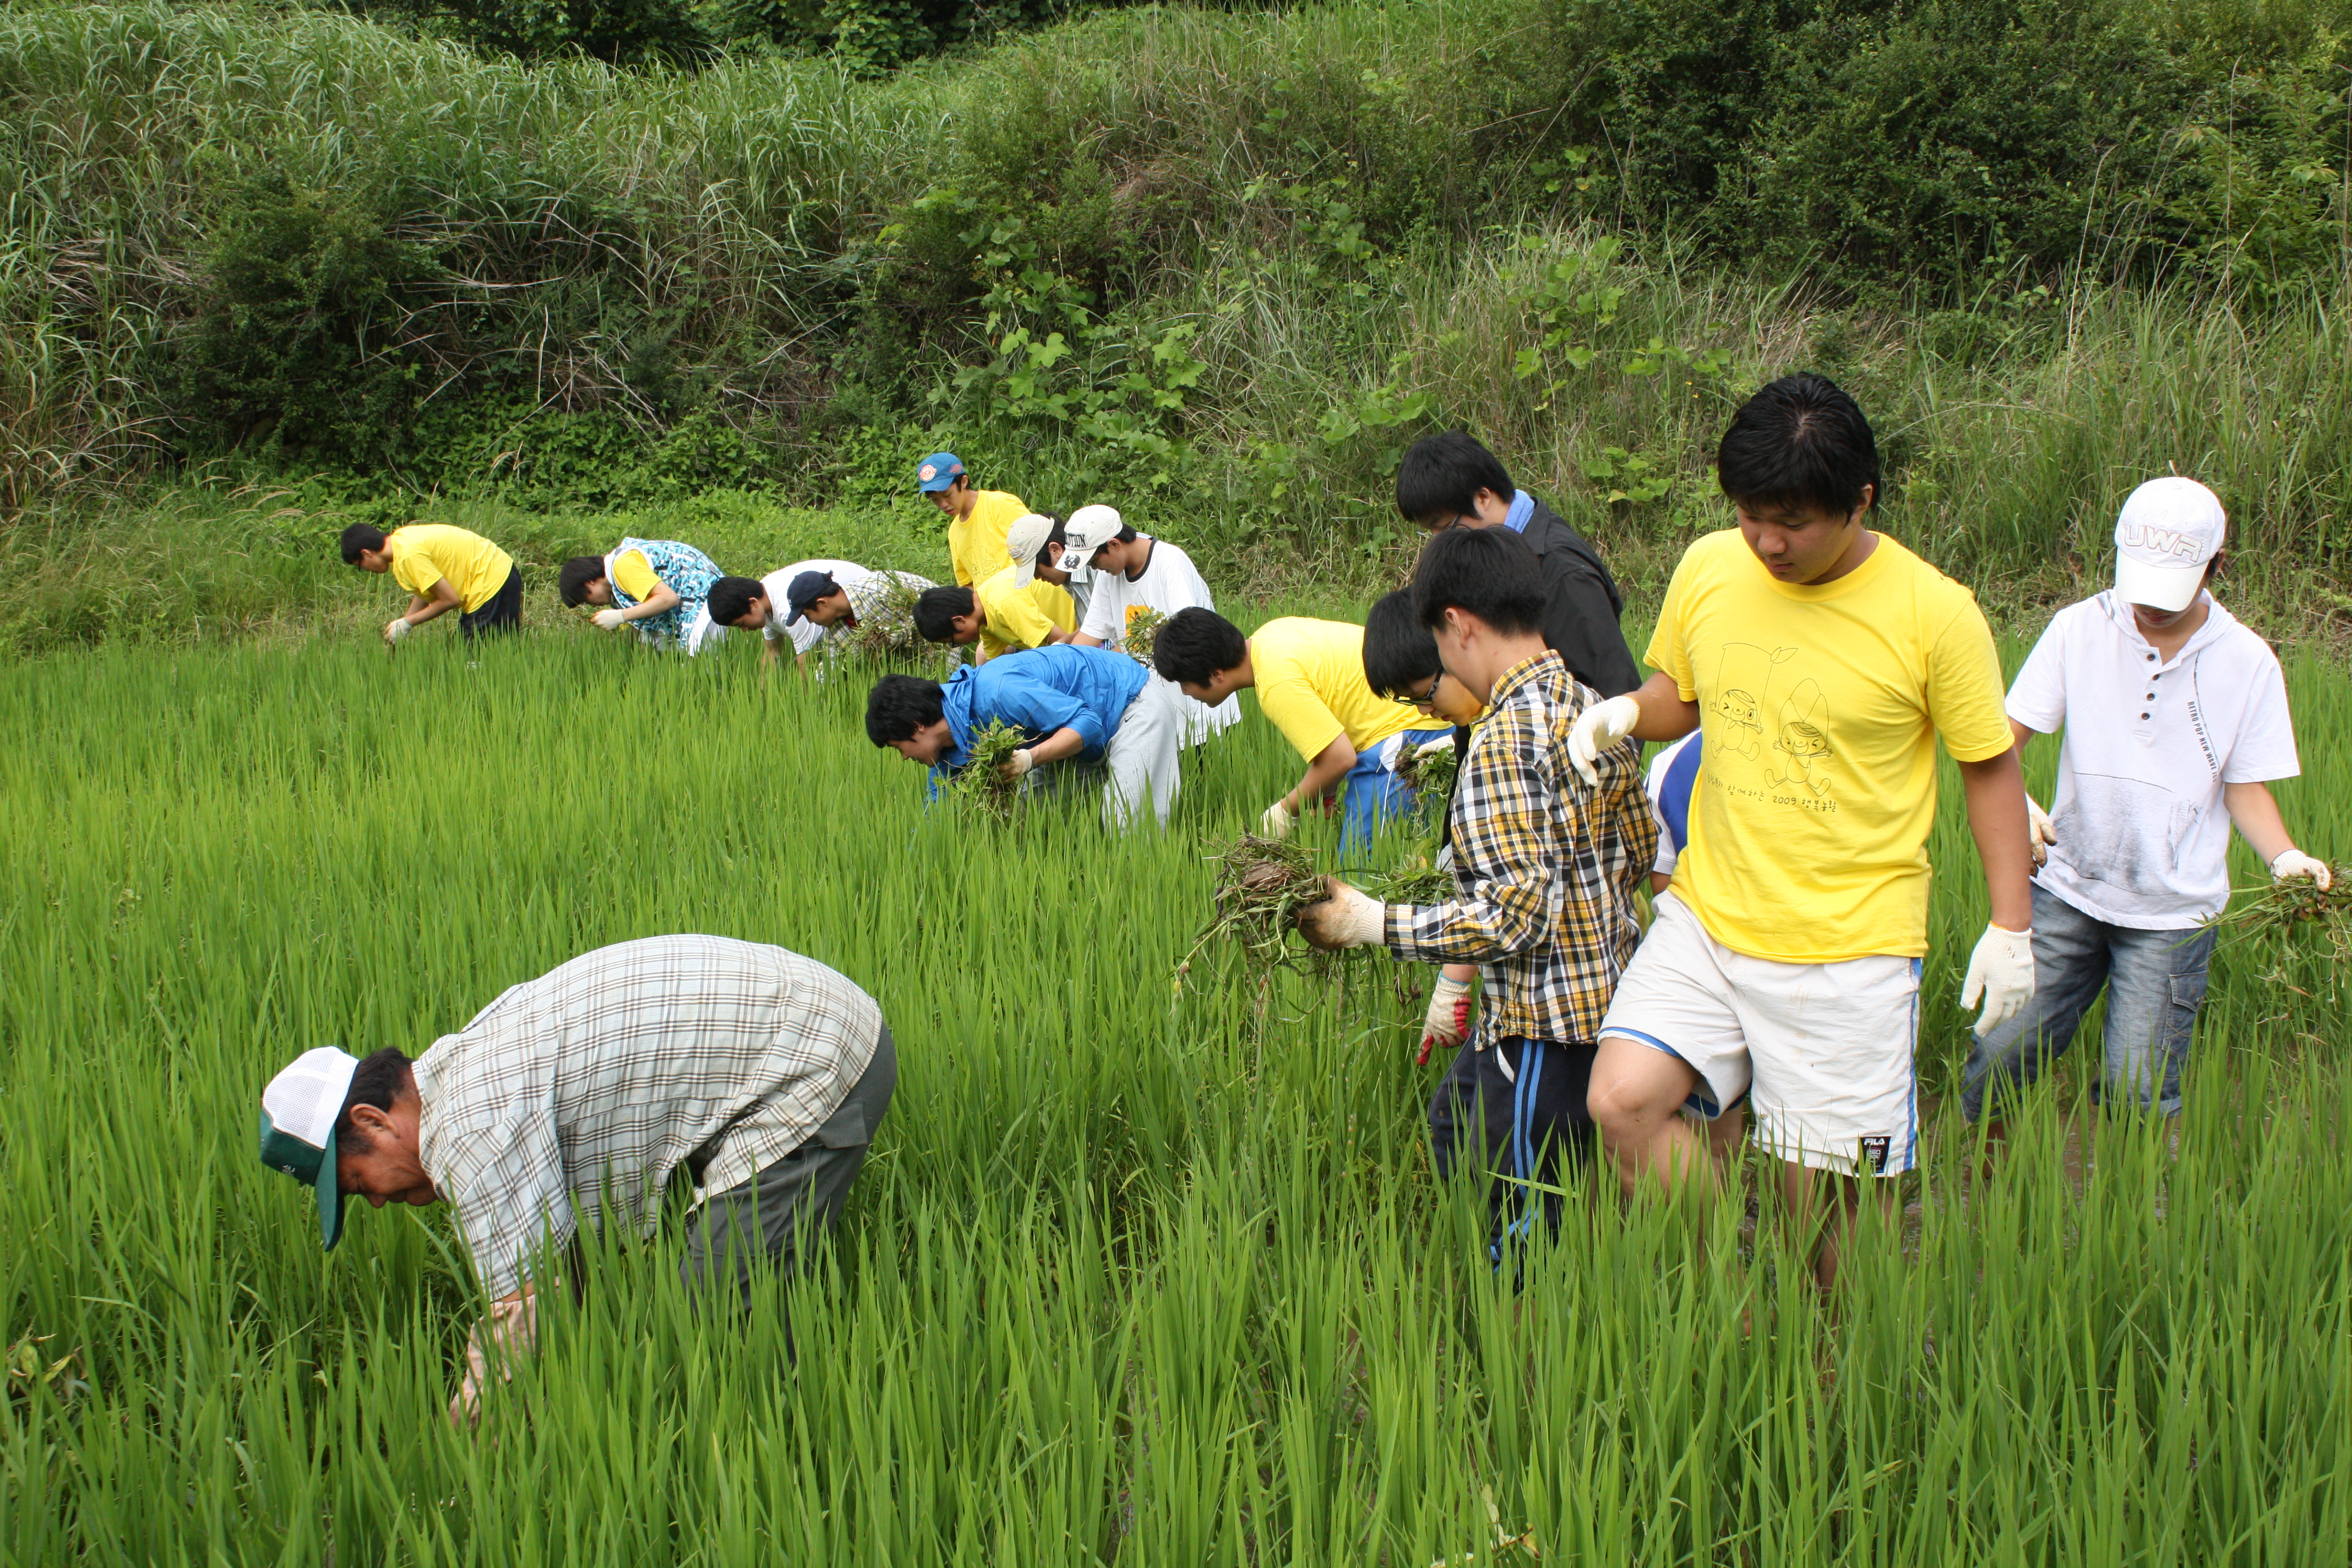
column 1128, row 1275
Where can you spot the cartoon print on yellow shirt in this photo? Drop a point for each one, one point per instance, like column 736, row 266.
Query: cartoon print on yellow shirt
column 1743, row 682
column 1803, row 739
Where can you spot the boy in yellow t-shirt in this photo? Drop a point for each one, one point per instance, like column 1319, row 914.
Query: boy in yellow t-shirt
column 1309, row 679
column 1783, row 963
column 978, row 520
column 443, row 569
column 1024, row 606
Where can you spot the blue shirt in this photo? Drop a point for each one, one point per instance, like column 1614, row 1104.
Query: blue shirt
column 1038, row 691
column 1522, row 513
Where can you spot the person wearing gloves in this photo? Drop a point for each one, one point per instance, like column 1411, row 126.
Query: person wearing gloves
column 808, row 604
column 1547, row 865
column 2175, row 719
column 1402, row 664
column 1451, row 480
column 1076, row 709
column 761, row 1074
column 657, row 585
column 1309, row 679
column 977, row 519
column 443, row 569
column 1024, row 606
column 1784, row 959
column 1134, row 579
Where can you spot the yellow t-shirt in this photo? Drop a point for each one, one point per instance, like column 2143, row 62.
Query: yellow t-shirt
column 976, row 543
column 635, row 575
column 1310, row 682
column 425, row 552
column 1021, row 616
column 1820, row 706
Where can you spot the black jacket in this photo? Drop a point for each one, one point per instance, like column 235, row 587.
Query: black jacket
column 1581, row 606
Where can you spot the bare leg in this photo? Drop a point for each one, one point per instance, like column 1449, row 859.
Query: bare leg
column 1636, row 1100
column 1823, row 1208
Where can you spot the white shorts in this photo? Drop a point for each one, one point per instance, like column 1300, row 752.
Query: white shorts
column 1824, row 1050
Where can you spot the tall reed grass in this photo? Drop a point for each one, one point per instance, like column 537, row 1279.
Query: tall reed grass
column 1129, row 1275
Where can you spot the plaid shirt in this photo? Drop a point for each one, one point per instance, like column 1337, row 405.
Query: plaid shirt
column 1547, row 865
column 591, row 1084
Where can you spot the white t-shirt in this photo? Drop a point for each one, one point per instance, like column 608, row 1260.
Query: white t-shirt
column 806, row 634
column 1170, row 583
column 1667, row 781
column 2142, row 836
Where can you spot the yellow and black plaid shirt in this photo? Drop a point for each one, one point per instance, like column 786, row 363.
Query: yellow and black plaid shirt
column 1547, row 865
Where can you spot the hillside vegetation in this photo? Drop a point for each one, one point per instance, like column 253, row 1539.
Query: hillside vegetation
column 1219, row 265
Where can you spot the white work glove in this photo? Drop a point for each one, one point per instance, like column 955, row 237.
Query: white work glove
column 2038, row 834
column 397, row 629
column 1597, row 729
column 2295, row 863
column 2001, row 971
column 1276, row 823
column 1349, row 917
column 1019, row 763
column 1448, row 1018
column 609, row 617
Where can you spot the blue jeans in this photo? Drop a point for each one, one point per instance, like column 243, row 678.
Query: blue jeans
column 2154, row 981
column 1370, row 794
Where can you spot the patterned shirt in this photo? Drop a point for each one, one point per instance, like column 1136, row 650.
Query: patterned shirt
column 591, row 1084
column 1548, row 866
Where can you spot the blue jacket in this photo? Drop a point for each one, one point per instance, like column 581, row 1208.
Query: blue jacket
column 1038, row 691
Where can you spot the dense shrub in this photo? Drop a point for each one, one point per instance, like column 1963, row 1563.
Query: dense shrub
column 325, row 241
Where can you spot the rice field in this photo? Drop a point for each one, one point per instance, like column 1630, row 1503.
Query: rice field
column 1132, row 1275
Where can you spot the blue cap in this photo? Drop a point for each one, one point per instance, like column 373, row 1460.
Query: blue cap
column 938, row 471
column 806, row 590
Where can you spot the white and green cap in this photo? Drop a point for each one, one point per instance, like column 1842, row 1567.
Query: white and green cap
column 299, row 1111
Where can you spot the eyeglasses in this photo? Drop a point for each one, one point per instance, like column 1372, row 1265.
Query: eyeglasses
column 1427, row 699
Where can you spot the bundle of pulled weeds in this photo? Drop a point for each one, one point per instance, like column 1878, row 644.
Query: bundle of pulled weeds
column 1264, row 884
column 1261, row 884
column 1143, row 624
column 2293, row 905
column 980, row 784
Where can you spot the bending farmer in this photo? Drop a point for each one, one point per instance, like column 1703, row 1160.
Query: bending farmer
column 1309, row 676
column 1072, row 705
column 760, row 1073
column 659, row 586
column 443, row 569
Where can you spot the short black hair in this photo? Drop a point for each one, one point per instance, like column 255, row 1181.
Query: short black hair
column 1399, row 652
column 1441, row 473
column 379, row 1079
column 1800, row 443
column 1196, row 646
column 1050, row 553
column 936, row 610
column 358, row 537
column 899, row 705
column 1126, row 534
column 1489, row 573
column 572, row 581
column 730, row 598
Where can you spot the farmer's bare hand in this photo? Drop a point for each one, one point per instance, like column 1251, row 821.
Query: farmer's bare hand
column 2037, row 831
column 1344, row 917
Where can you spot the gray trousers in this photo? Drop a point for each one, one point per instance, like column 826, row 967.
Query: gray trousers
column 762, row 1222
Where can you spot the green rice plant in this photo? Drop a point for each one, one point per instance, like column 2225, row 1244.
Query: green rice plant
column 1120, row 1280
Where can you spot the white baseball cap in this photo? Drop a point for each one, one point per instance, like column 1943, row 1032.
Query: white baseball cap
column 2169, row 529
column 299, row 1111
column 1089, row 528
column 1026, row 541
